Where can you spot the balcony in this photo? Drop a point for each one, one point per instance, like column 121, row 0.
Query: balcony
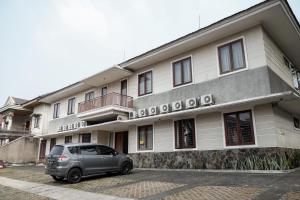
column 108, row 106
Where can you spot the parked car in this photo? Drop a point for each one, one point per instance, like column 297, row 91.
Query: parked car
column 74, row 161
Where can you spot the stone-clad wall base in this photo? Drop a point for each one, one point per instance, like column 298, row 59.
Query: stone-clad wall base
column 273, row 158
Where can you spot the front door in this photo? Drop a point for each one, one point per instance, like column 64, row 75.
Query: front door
column 121, row 142
column 42, row 150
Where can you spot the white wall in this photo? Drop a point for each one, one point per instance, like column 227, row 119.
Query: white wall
column 43, row 110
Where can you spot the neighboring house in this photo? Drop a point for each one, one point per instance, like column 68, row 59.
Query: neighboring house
column 224, row 96
column 15, row 121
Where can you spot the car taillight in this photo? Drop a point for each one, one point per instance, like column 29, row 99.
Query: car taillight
column 62, row 158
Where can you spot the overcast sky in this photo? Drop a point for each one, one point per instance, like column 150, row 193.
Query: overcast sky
column 49, row 44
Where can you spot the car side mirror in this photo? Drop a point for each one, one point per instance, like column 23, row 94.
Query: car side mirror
column 115, row 153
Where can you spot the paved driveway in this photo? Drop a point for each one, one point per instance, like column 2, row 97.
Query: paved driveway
column 172, row 185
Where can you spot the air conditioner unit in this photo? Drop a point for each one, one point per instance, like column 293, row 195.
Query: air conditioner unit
column 142, row 112
column 206, row 100
column 191, row 103
column 177, row 105
column 164, row 108
column 153, row 110
column 132, row 115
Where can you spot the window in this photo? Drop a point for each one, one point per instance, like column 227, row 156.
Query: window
column 89, row 96
column 68, row 139
column 232, row 57
column 74, row 150
column 145, row 137
column 296, row 123
column 182, row 72
column 124, row 87
column 56, row 110
column 88, row 150
column 239, row 128
column 52, row 143
column 104, row 91
column 71, row 106
column 296, row 79
column 185, row 134
column 145, row 83
column 36, row 123
column 56, row 150
column 85, row 138
column 106, row 150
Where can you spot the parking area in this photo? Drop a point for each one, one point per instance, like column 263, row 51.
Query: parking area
column 169, row 185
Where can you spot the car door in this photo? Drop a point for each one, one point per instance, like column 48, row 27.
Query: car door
column 89, row 158
column 109, row 158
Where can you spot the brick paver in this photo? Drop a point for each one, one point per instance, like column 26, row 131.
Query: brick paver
column 142, row 189
column 216, row 193
column 291, row 196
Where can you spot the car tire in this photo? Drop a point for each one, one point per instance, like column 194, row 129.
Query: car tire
column 125, row 169
column 74, row 176
column 58, row 178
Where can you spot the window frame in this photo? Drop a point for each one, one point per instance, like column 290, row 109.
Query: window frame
column 139, row 89
column 56, row 110
column 102, row 89
column 72, row 111
column 52, row 144
column 138, row 138
column 182, row 71
column 254, row 142
column 89, row 93
column 68, row 136
column 84, row 134
column 121, row 84
column 229, row 43
column 294, row 123
column 36, row 121
column 175, row 135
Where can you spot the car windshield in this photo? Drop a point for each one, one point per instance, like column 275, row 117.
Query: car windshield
column 57, row 150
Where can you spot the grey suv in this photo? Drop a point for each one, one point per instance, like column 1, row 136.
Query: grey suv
column 74, row 161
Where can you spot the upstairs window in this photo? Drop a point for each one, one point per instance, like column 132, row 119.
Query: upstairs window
column 182, row 72
column 56, row 110
column 296, row 123
column 124, row 87
column 145, row 83
column 145, row 137
column 239, row 128
column 185, row 134
column 71, row 106
column 89, row 96
column 36, row 123
column 231, row 57
column 104, row 91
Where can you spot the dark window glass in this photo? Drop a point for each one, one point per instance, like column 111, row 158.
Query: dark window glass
column 57, row 150
column 124, row 87
column 145, row 83
column 89, row 96
column 68, row 139
column 104, row 91
column 56, row 110
column 37, row 121
column 88, row 150
column 239, row 128
column 52, row 142
column 182, row 72
column 86, row 138
column 231, row 57
column 296, row 123
column 185, row 133
column 74, row 150
column 71, row 106
column 106, row 151
column 145, row 137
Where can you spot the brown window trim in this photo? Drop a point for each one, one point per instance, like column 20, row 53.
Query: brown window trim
column 68, row 139
column 182, row 74
column 124, row 82
column 103, row 89
column 239, row 133
column 231, row 56
column 144, row 74
column 194, row 135
column 72, row 110
column 56, row 111
column 146, row 127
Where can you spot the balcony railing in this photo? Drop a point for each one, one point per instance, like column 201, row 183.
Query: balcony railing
column 107, row 100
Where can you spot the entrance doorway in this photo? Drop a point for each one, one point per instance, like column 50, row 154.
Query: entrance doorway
column 42, row 150
column 121, row 142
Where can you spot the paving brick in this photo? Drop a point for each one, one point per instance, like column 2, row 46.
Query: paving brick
column 216, row 193
column 291, row 196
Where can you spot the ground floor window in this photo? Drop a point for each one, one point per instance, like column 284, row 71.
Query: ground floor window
column 68, row 139
column 239, row 128
column 296, row 123
column 184, row 133
column 52, row 143
column 85, row 138
column 145, row 137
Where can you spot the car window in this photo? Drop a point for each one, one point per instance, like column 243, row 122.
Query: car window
column 57, row 150
column 106, row 150
column 73, row 150
column 88, row 150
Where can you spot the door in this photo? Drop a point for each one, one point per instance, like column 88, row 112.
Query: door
column 121, row 142
column 90, row 159
column 109, row 159
column 42, row 150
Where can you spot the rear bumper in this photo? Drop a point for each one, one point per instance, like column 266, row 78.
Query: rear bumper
column 60, row 171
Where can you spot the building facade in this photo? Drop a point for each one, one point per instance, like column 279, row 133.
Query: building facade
column 223, row 97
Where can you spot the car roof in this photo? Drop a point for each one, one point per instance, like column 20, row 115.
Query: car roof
column 79, row 144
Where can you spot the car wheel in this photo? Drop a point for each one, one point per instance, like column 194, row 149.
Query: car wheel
column 125, row 169
column 58, row 178
column 74, row 175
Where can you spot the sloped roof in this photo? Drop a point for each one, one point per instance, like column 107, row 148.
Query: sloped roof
column 19, row 101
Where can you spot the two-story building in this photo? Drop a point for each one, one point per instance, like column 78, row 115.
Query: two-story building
column 224, row 96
